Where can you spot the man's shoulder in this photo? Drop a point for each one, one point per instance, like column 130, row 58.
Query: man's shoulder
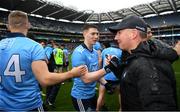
column 79, row 49
column 160, row 43
column 138, row 61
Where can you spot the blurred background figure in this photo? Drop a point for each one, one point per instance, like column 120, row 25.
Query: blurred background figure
column 97, row 46
column 66, row 57
column 113, row 84
column 59, row 57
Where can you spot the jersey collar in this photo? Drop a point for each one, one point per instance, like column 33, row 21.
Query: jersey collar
column 12, row 35
column 84, row 45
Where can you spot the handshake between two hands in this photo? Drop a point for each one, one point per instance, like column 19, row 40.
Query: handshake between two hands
column 112, row 64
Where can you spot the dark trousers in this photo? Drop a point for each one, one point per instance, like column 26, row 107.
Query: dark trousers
column 51, row 93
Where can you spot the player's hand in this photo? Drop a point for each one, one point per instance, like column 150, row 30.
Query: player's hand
column 79, row 71
column 113, row 64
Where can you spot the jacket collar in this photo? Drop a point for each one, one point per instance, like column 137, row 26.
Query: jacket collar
column 143, row 49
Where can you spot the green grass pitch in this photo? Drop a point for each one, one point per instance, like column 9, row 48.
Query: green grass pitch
column 63, row 100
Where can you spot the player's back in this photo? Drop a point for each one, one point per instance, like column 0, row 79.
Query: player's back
column 18, row 87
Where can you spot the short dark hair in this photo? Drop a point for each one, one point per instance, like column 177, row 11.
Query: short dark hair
column 88, row 26
column 50, row 41
column 63, row 45
column 42, row 40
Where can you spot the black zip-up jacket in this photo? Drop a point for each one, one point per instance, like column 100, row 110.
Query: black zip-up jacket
column 148, row 80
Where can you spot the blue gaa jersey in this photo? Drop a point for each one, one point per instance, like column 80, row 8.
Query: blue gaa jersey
column 19, row 88
column 66, row 54
column 97, row 46
column 111, row 51
column 48, row 51
column 82, row 56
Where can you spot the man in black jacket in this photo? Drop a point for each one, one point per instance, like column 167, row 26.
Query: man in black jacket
column 161, row 49
column 147, row 79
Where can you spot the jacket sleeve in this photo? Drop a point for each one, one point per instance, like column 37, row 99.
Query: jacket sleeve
column 163, row 51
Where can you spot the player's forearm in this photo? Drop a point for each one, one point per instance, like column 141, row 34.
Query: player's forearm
column 93, row 76
column 54, row 78
column 45, row 77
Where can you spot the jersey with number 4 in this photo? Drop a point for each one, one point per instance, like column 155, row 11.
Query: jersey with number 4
column 19, row 88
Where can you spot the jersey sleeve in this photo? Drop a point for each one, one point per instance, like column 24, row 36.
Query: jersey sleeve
column 38, row 53
column 54, row 51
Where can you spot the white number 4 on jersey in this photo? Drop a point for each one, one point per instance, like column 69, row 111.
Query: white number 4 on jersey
column 14, row 60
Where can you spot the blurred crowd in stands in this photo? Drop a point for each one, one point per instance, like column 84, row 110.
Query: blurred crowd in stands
column 43, row 24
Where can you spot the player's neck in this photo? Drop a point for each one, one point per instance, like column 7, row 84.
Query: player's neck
column 89, row 46
column 19, row 31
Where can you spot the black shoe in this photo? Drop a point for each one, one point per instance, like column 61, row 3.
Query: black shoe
column 45, row 107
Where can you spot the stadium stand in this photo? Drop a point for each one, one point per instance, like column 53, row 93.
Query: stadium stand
column 164, row 26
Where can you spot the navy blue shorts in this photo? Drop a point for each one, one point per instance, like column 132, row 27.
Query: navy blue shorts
column 85, row 104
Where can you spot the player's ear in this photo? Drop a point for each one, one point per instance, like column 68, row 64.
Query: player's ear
column 28, row 25
column 84, row 33
column 8, row 27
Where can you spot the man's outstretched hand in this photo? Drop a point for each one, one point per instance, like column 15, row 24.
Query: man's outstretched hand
column 79, row 71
